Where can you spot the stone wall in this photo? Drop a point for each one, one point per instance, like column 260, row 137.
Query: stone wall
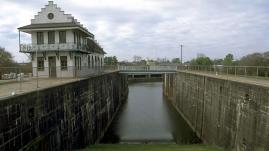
column 64, row 117
column 225, row 113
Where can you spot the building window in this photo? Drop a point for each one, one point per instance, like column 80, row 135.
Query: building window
column 51, row 37
column 40, row 38
column 63, row 62
column 78, row 62
column 75, row 38
column 79, row 40
column 89, row 61
column 62, row 36
column 50, row 16
column 92, row 61
column 40, row 63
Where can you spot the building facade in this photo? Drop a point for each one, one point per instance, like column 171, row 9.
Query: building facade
column 61, row 46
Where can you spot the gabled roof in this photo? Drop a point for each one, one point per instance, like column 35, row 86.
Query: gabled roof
column 59, row 20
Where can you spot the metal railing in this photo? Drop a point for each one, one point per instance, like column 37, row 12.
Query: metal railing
column 16, row 80
column 148, row 68
column 246, row 71
column 52, row 47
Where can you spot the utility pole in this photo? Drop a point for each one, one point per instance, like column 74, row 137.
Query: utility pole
column 181, row 54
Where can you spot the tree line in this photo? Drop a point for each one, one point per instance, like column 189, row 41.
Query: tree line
column 253, row 59
column 6, row 59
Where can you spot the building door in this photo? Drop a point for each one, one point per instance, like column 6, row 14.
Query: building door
column 52, row 66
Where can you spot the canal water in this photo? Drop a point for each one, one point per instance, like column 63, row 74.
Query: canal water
column 147, row 117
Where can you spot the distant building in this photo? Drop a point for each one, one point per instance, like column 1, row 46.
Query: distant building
column 61, row 46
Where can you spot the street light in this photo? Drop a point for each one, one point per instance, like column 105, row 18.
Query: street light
column 181, row 54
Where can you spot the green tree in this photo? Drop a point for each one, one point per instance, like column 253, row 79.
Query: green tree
column 228, row 60
column 201, row 60
column 217, row 61
column 176, row 60
column 114, row 60
column 111, row 60
column 255, row 59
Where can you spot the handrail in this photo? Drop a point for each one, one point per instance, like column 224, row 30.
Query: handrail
column 52, row 47
column 257, row 71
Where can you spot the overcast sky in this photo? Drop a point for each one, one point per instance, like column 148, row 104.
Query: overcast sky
column 154, row 28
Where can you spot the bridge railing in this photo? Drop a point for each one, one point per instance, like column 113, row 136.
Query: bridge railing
column 247, row 71
column 148, row 68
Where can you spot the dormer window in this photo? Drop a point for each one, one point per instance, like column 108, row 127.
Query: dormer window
column 50, row 16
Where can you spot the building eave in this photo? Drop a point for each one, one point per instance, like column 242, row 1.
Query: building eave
column 53, row 26
column 67, row 50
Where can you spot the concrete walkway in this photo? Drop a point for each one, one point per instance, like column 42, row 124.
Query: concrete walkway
column 261, row 81
column 13, row 87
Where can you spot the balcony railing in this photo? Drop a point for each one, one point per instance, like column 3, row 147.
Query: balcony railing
column 26, row 48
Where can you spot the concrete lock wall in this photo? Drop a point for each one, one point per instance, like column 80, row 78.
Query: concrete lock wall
column 225, row 113
column 63, row 117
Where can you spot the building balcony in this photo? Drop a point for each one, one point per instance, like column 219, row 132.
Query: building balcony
column 29, row 48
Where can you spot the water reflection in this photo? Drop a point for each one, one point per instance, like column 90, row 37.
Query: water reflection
column 148, row 117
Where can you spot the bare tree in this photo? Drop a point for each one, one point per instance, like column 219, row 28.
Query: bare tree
column 6, row 58
column 137, row 58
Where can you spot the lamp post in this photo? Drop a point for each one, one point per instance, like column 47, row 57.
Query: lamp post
column 181, row 54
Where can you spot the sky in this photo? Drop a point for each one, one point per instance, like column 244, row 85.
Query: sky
column 153, row 28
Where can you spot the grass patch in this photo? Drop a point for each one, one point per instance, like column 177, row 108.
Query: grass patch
column 150, row 147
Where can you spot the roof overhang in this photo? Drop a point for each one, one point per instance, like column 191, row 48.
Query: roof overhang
column 53, row 26
column 66, row 50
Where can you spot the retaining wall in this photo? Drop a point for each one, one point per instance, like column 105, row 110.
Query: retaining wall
column 225, row 113
column 63, row 117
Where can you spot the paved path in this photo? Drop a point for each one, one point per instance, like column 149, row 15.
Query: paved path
column 261, row 81
column 13, row 87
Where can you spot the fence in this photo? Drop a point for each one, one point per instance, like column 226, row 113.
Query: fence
column 253, row 71
column 247, row 71
column 15, row 80
column 148, row 68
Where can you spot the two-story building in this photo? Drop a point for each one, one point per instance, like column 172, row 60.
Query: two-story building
column 61, row 46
